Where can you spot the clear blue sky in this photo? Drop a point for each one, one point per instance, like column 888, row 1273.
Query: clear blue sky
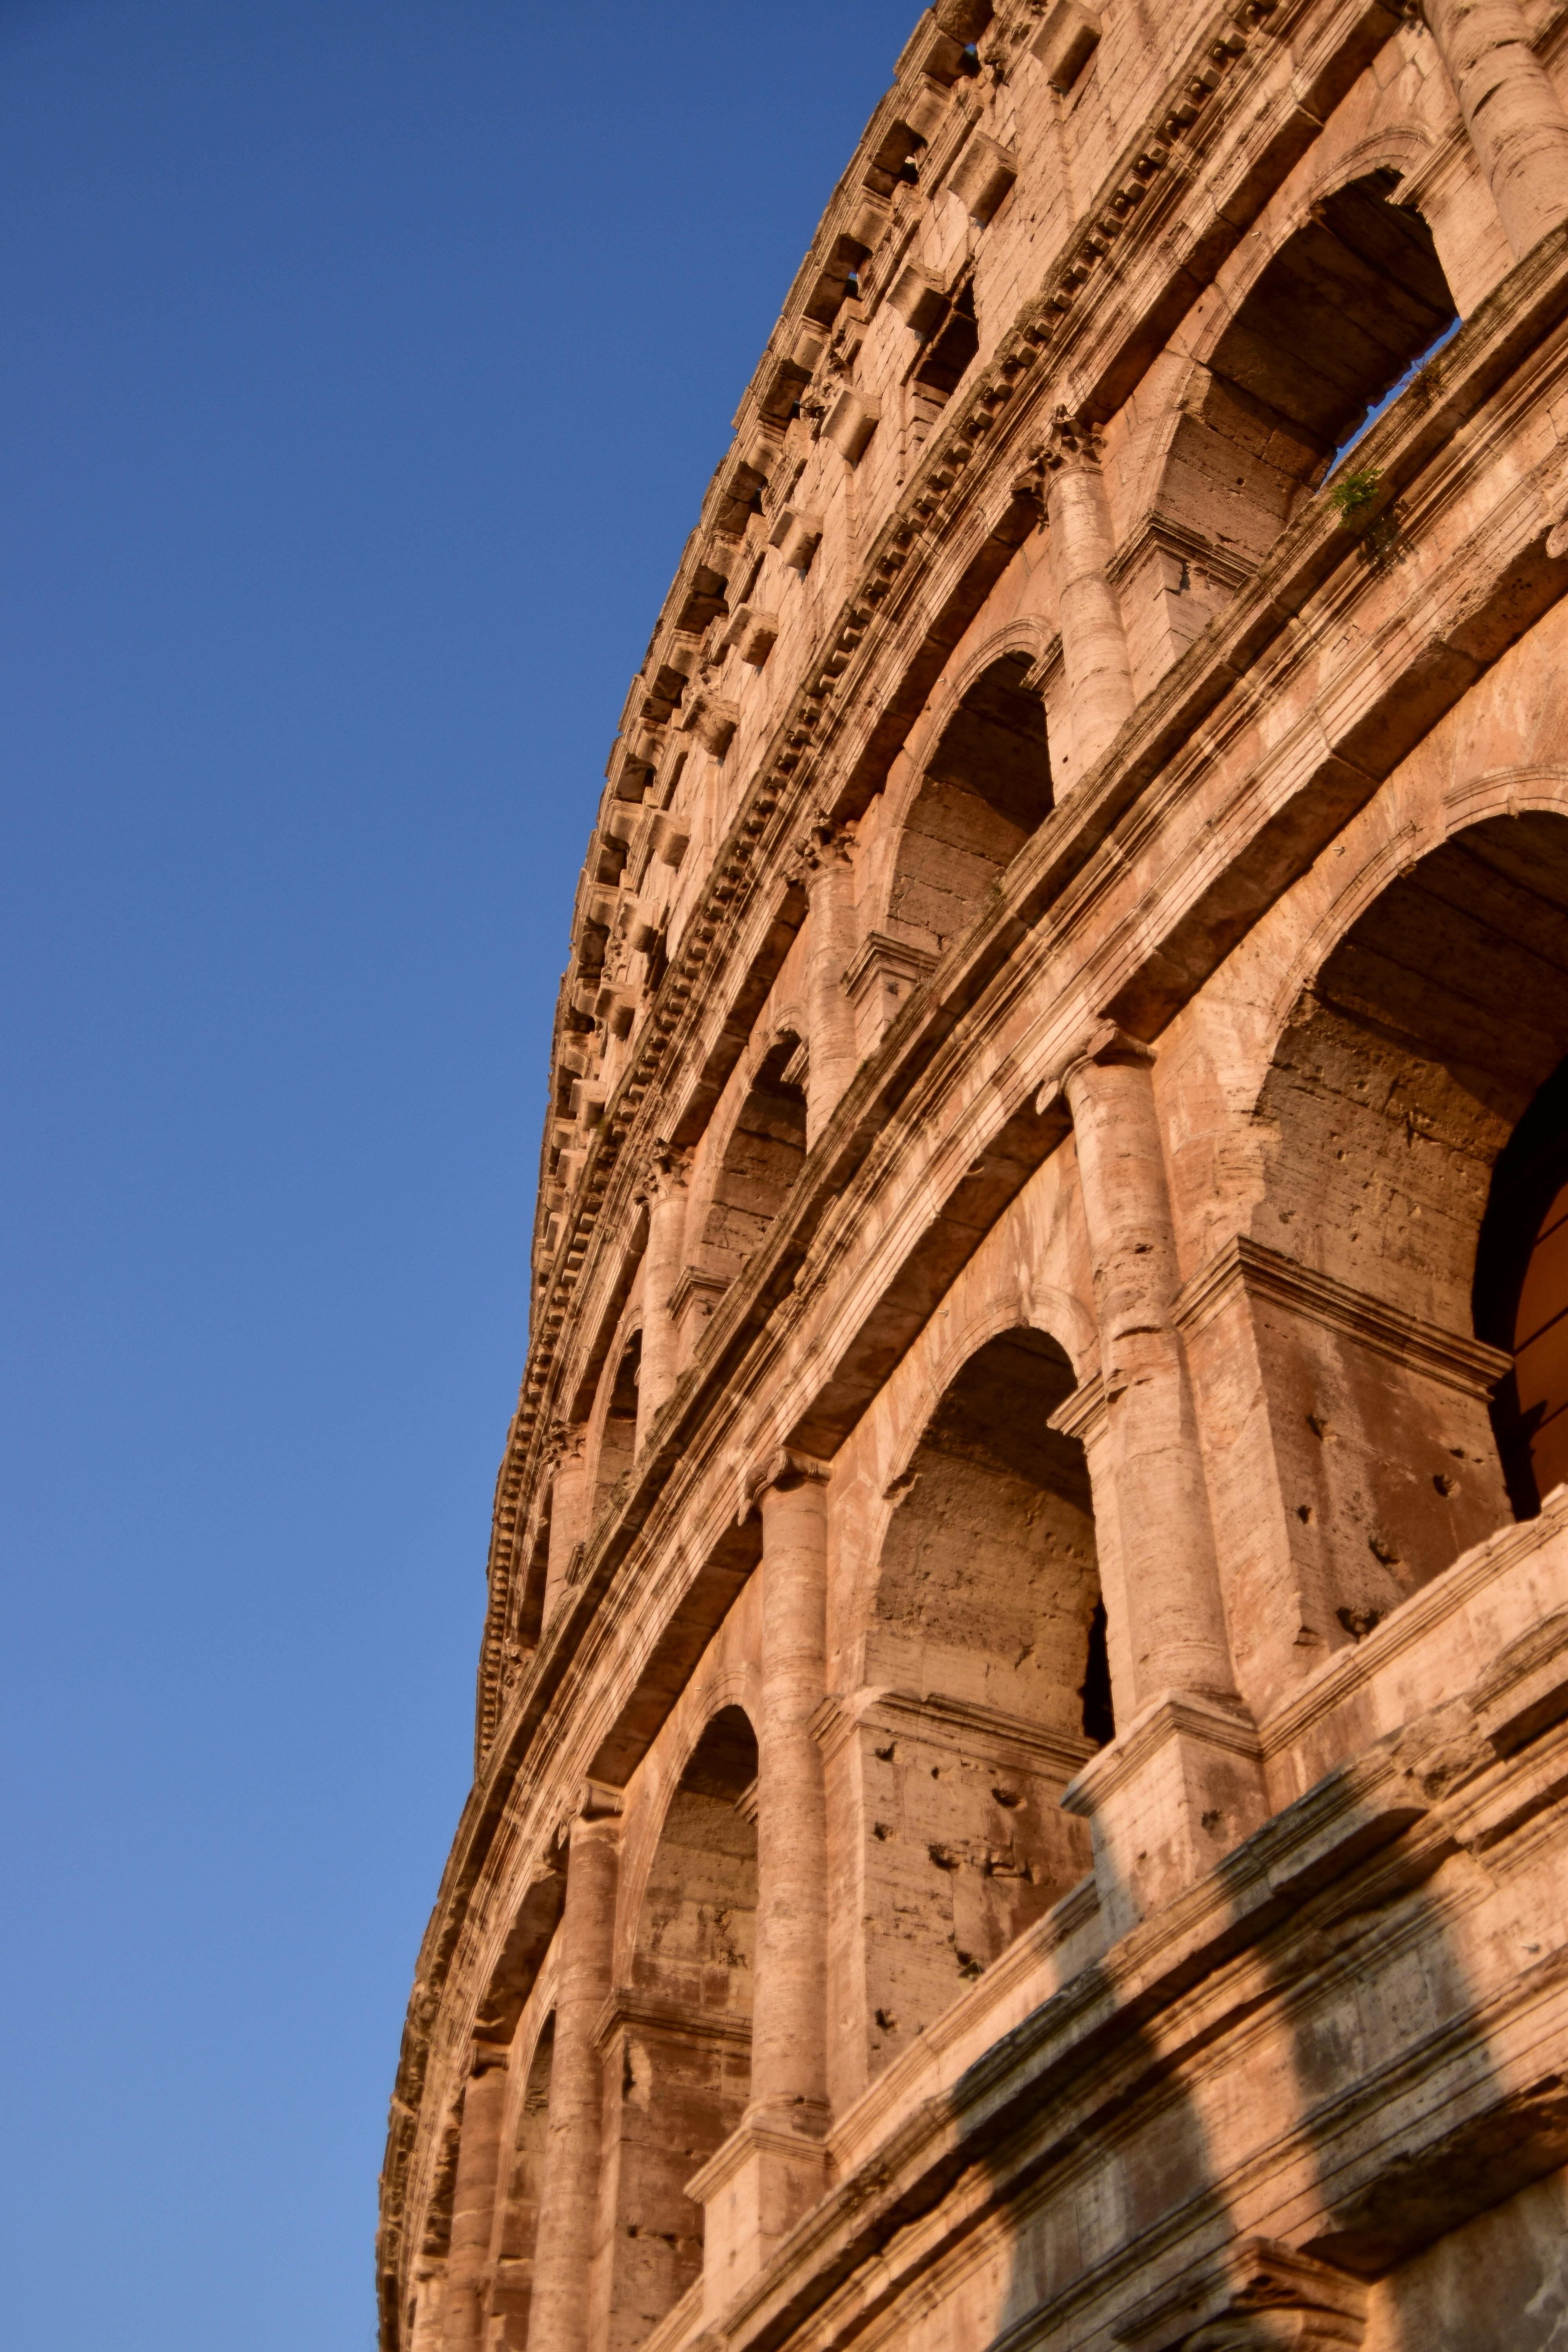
column 363, row 365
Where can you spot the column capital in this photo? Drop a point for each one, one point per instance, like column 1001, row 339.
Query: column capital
column 1105, row 1045
column 1071, row 441
column 666, row 1170
column 564, row 1446
column 781, row 1469
column 825, row 844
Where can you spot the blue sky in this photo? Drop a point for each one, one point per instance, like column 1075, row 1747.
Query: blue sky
column 363, row 364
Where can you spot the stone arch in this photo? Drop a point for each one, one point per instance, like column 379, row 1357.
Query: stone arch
column 678, row 2041
column 982, row 789
column 1316, row 334
column 616, row 1415
column 984, row 1688
column 1430, row 1027
column 517, row 2224
column 755, row 1168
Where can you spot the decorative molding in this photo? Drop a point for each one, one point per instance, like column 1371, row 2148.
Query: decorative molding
column 943, row 1721
column 1187, row 546
column 628, row 2010
column 1260, row 1272
column 1251, row 2278
column 1179, row 1715
column 783, row 1467
column 1082, row 1414
column 696, row 1289
column 884, row 962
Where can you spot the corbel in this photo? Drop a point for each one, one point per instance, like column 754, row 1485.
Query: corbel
column 752, row 633
column 1066, row 39
column 713, row 721
column 919, row 302
column 851, row 423
column 797, row 536
column 983, row 176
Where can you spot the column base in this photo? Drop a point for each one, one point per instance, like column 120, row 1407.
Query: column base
column 1171, row 1795
column 763, row 2180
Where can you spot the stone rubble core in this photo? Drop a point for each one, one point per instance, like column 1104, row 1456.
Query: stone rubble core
column 1022, row 1736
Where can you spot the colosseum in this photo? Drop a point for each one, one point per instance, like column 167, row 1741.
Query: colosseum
column 1022, row 1738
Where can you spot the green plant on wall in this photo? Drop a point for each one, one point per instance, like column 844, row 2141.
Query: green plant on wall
column 1353, row 493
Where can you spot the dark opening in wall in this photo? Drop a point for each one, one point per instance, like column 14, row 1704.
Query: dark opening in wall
column 1521, row 1296
column 617, row 1446
column 987, row 787
column 764, row 1155
column 684, row 2074
column 1333, row 322
column 987, row 1615
column 951, row 347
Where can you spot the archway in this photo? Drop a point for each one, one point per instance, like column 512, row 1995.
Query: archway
column 1521, row 1296
column 987, row 1688
column 986, row 787
column 764, row 1154
column 1431, row 1030
column 1339, row 314
column 678, row 2071
column 513, row 2290
column 618, row 1437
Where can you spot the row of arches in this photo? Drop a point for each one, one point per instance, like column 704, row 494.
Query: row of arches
column 1328, row 326
column 1413, row 1128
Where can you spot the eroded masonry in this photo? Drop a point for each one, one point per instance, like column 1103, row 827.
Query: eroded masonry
column 1023, row 1728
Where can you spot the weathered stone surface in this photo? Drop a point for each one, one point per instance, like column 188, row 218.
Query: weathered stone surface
column 1023, row 1725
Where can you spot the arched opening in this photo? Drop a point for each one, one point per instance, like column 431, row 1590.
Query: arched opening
column 678, row 2071
column 986, row 788
column 1430, row 1032
column 985, row 1660
column 1339, row 314
column 618, row 1442
column 513, row 2286
column 764, row 1155
column 1521, row 1296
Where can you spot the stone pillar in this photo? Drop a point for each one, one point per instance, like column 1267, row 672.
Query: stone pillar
column 771, row 2171
column 429, row 2288
column 570, row 1499
column 789, row 2057
column 1182, row 1782
column 1094, row 640
column 568, row 2200
column 474, row 2201
column 1177, row 1633
column 663, row 1263
column 831, row 1055
column 1515, row 119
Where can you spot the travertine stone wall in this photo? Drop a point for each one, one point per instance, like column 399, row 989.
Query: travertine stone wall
column 1023, row 1716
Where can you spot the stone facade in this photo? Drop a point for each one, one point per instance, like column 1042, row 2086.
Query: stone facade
column 1022, row 1726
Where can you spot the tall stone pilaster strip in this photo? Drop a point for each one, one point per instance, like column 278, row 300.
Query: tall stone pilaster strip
column 827, row 852
column 563, row 2243
column 1516, row 121
column 473, row 2205
column 789, row 2029
column 1094, row 640
column 1177, row 1633
column 663, row 1262
column 569, row 1499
